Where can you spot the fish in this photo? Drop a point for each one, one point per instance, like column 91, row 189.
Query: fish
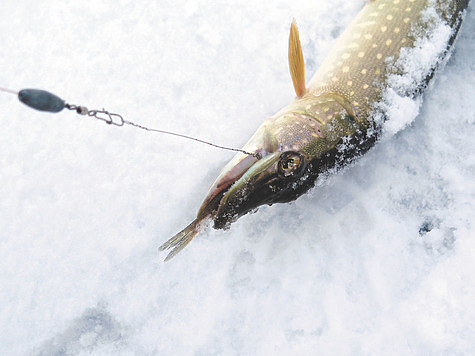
column 333, row 119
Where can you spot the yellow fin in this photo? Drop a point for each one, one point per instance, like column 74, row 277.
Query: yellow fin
column 296, row 63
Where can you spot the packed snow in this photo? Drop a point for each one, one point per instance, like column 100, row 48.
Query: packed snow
column 377, row 260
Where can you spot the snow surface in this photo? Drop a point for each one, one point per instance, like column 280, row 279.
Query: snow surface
column 350, row 268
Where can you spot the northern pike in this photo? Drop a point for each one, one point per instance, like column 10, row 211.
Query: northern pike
column 334, row 118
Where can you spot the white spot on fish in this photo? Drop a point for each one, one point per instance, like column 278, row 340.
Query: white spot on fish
column 361, row 54
column 389, row 17
column 383, row 28
column 368, row 36
column 345, row 56
column 388, row 42
column 346, row 69
column 379, row 56
column 396, row 29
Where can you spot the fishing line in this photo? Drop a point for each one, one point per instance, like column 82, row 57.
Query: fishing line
column 45, row 101
column 9, row 91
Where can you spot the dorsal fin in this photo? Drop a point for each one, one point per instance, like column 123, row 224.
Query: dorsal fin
column 296, row 63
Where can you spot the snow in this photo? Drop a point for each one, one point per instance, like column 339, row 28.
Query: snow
column 347, row 269
column 400, row 103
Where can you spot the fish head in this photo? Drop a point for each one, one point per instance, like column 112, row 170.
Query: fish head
column 288, row 145
column 273, row 171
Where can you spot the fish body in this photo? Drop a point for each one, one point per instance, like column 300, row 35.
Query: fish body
column 333, row 118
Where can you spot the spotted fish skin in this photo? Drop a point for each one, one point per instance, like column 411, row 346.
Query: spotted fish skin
column 332, row 119
column 358, row 64
column 342, row 95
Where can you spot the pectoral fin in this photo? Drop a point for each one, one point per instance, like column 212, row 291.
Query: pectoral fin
column 296, row 62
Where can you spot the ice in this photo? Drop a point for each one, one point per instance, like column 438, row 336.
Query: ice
column 346, row 269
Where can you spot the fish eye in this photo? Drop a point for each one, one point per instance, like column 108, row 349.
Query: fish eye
column 290, row 163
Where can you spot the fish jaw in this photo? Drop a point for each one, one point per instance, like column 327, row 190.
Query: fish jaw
column 231, row 173
column 248, row 192
column 247, row 183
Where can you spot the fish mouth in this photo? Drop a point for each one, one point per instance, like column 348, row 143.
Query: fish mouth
column 236, row 190
column 252, row 189
column 231, row 173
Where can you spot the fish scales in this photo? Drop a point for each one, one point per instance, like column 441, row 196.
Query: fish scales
column 358, row 61
column 357, row 65
column 332, row 119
